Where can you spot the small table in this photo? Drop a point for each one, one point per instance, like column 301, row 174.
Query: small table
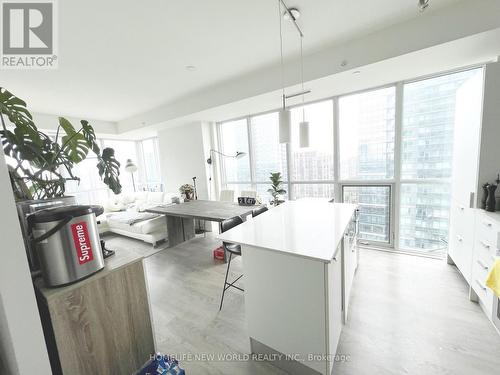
column 180, row 217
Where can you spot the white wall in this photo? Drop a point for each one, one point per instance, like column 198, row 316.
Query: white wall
column 489, row 153
column 22, row 346
column 183, row 155
column 50, row 122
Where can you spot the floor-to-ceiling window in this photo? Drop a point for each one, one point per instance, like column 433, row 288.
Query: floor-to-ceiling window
column 306, row 172
column 426, row 159
column 393, row 157
column 91, row 190
column 312, row 168
column 149, row 165
column 234, row 138
column 267, row 154
column 366, row 158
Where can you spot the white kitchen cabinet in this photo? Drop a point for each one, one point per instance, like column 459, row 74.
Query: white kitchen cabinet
column 461, row 237
column 486, row 249
column 474, row 233
column 467, row 132
column 350, row 261
column 335, row 305
column 295, row 280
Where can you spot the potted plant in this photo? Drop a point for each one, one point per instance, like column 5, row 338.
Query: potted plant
column 43, row 164
column 276, row 189
column 188, row 191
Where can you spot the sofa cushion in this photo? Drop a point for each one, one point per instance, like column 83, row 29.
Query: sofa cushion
column 128, row 198
column 142, row 227
column 141, row 196
column 168, row 197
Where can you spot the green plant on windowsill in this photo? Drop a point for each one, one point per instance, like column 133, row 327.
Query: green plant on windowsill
column 276, row 189
column 42, row 164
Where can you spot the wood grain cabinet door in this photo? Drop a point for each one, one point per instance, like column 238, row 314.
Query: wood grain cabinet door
column 104, row 327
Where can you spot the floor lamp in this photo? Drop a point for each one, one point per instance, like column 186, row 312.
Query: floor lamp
column 131, row 168
column 238, row 155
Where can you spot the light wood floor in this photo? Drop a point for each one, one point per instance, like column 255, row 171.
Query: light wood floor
column 408, row 315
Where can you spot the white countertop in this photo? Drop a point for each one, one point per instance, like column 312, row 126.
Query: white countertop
column 306, row 228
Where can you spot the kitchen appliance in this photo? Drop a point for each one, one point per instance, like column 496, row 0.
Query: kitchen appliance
column 24, row 208
column 67, row 242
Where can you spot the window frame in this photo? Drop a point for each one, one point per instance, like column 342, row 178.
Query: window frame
column 392, row 218
column 338, row 183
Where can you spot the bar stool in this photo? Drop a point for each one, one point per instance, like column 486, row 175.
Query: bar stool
column 232, row 249
column 259, row 211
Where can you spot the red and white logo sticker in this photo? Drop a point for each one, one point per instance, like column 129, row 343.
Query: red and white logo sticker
column 82, row 242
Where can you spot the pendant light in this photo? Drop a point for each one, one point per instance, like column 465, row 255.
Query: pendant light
column 284, row 114
column 304, row 125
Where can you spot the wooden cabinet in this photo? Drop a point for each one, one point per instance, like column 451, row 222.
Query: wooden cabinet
column 102, row 324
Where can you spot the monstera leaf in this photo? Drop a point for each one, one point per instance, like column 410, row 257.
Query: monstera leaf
column 90, row 137
column 74, row 143
column 17, row 113
column 109, row 170
column 21, row 146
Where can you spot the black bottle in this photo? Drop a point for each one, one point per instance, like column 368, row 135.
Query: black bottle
column 484, row 198
column 491, row 202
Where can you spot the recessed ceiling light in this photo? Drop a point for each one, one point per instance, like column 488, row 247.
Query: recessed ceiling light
column 295, row 13
column 356, row 72
column 190, row 68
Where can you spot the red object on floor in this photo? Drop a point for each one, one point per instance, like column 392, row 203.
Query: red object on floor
column 219, row 253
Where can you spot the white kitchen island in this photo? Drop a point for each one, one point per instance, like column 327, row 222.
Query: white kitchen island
column 299, row 261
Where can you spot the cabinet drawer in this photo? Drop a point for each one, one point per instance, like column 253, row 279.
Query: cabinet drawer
column 480, row 269
column 487, row 231
column 484, row 294
column 484, row 251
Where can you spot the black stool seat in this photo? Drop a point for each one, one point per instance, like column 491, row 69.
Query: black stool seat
column 259, row 211
column 232, row 248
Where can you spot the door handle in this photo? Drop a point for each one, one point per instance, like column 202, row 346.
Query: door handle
column 471, row 199
column 485, row 245
column 459, row 238
column 482, row 265
column 480, row 285
column 487, row 224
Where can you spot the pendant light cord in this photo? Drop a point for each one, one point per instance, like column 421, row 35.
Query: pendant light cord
column 281, row 55
column 302, row 76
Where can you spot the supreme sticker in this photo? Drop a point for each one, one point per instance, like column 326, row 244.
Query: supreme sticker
column 82, row 242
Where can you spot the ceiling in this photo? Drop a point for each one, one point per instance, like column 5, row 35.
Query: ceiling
column 118, row 58
column 472, row 51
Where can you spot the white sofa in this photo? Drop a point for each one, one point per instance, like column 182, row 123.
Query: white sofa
column 121, row 209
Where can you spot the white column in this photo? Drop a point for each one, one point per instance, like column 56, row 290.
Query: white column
column 489, row 165
column 22, row 345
